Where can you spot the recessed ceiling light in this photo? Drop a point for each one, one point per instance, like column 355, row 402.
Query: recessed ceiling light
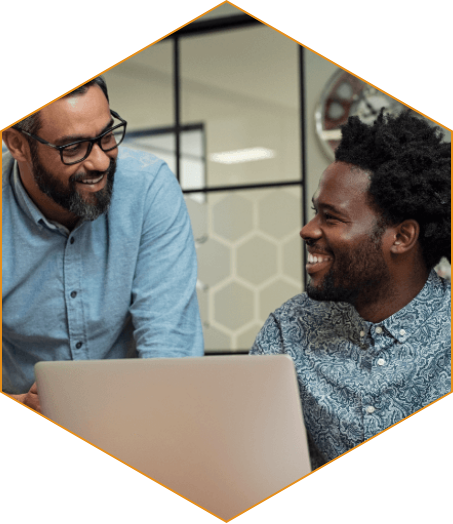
column 242, row 155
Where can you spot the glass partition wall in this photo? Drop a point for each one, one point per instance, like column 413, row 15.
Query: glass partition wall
column 243, row 85
column 222, row 106
column 221, row 103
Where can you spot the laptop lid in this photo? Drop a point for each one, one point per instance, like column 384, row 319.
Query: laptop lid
column 225, row 432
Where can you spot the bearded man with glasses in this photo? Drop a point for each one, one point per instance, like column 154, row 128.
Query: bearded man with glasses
column 98, row 254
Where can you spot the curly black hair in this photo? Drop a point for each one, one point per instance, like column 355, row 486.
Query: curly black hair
column 410, row 169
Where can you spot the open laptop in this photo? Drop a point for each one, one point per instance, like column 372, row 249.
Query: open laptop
column 225, row 432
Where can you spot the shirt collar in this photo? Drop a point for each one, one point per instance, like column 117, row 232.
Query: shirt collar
column 407, row 321
column 401, row 325
column 333, row 318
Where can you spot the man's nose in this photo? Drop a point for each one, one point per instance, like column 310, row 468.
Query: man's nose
column 311, row 231
column 98, row 160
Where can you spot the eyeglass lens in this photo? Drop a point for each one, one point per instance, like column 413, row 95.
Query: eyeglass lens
column 78, row 152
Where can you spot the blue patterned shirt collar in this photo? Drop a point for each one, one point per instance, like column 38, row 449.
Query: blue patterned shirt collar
column 344, row 320
column 407, row 321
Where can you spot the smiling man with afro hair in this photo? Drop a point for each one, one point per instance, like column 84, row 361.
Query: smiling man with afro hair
column 371, row 336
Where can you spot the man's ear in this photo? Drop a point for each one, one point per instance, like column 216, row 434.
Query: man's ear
column 405, row 237
column 17, row 144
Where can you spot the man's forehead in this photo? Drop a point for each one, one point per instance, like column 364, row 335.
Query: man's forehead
column 74, row 113
column 346, row 178
column 72, row 100
column 343, row 185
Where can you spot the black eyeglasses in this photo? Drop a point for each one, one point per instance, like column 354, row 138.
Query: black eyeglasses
column 80, row 150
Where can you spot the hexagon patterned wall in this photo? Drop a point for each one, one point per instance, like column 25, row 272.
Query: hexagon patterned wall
column 250, row 260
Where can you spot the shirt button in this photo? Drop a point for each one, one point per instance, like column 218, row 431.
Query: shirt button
column 79, row 345
column 362, row 334
column 378, row 330
column 381, row 362
column 402, row 332
column 73, row 294
column 72, row 240
column 370, row 409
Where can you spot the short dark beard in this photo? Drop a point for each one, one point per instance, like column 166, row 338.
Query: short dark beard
column 68, row 197
column 359, row 274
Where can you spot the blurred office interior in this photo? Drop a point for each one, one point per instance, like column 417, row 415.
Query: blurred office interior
column 245, row 118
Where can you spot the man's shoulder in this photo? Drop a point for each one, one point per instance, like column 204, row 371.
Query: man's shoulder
column 138, row 172
column 299, row 318
column 441, row 285
column 132, row 162
column 436, row 296
column 299, row 306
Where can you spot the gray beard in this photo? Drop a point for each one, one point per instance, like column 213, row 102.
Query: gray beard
column 69, row 198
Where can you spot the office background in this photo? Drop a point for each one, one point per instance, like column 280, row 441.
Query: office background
column 230, row 104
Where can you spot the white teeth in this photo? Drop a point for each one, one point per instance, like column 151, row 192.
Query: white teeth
column 95, row 181
column 312, row 259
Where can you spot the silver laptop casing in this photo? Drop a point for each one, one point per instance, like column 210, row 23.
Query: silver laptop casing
column 225, row 432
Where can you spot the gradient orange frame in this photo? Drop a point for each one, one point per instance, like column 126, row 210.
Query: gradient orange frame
column 406, row 54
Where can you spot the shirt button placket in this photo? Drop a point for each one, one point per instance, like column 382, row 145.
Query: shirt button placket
column 370, row 420
column 72, row 271
column 362, row 343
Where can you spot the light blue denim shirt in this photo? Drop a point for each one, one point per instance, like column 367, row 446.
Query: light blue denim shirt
column 120, row 286
column 357, row 378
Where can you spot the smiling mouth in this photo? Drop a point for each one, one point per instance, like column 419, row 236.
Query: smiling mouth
column 317, row 262
column 91, row 181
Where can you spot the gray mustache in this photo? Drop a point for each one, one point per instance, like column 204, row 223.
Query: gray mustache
column 77, row 177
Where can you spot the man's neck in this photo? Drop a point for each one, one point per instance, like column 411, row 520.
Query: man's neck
column 384, row 301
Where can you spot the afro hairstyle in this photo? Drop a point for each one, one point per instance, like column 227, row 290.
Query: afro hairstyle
column 410, row 168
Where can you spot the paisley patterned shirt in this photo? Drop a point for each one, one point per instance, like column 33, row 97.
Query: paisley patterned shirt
column 357, row 378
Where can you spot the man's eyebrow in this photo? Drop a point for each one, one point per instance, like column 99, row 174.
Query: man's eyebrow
column 68, row 139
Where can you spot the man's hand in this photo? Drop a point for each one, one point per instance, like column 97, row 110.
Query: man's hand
column 30, row 399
